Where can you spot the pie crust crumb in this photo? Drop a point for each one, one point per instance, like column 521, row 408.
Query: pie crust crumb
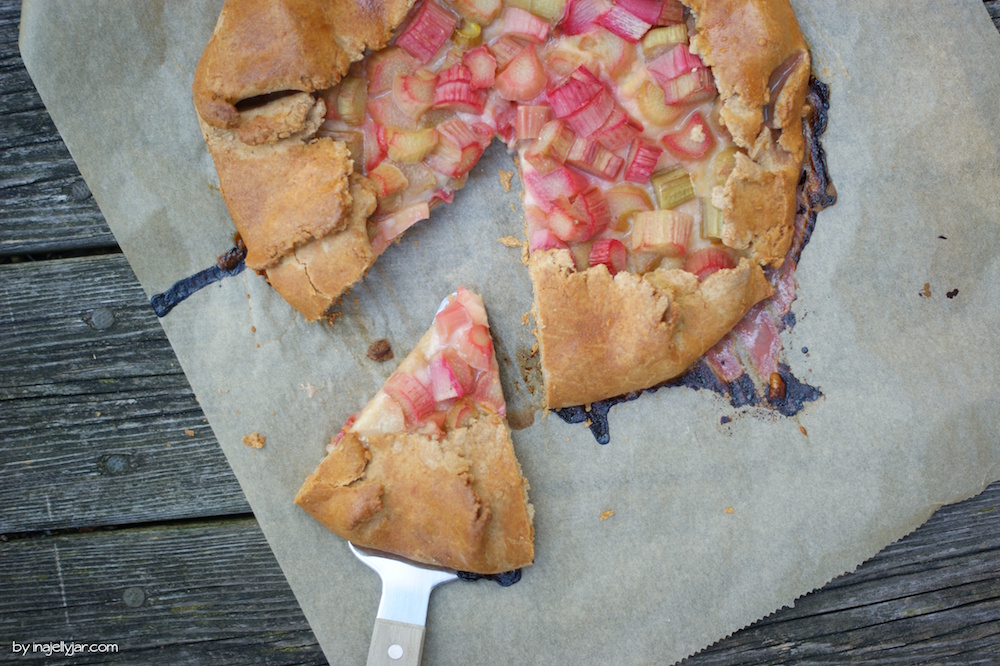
column 254, row 440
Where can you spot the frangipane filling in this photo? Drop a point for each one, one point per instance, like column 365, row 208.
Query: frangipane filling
column 615, row 122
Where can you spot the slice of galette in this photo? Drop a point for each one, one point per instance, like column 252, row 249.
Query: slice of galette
column 427, row 469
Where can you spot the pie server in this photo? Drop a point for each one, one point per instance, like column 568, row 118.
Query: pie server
column 398, row 637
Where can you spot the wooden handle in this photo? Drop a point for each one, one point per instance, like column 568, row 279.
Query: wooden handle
column 396, row 644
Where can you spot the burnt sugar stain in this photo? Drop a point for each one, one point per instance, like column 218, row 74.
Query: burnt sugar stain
column 795, row 394
column 505, row 579
column 229, row 264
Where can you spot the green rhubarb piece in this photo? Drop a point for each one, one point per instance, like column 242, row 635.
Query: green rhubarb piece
column 672, row 187
column 711, row 220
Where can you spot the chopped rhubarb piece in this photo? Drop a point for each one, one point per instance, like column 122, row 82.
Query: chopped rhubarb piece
column 722, row 164
column 530, row 119
column 712, row 220
column 567, row 223
column 575, row 92
column 482, row 67
column 672, row 187
column 614, row 53
column 489, row 394
column 351, row 100
column 664, row 232
column 458, row 149
column 588, row 119
column 544, row 239
column 545, row 189
column 476, row 347
column 428, row 29
column 660, row 40
column 671, row 12
column 624, row 23
column 499, row 115
column 455, row 73
column 624, row 200
column 690, row 88
column 724, row 361
column 642, row 158
column 473, row 304
column 381, row 69
column 645, row 10
column 414, row 93
column 375, row 146
column 561, row 61
column 593, row 158
column 468, row 34
column 460, row 415
column 482, row 12
column 618, row 130
column 411, row 147
column 581, row 15
column 593, row 208
column 760, row 338
column 550, row 10
column 450, row 376
column 707, row 260
column 391, row 227
column 653, row 106
column 523, row 78
column 385, row 111
column 692, row 141
column 609, row 252
column 517, row 21
column 452, row 317
column 505, row 48
column 549, row 151
column 388, row 179
column 459, row 96
column 444, row 383
column 673, row 64
column 414, row 398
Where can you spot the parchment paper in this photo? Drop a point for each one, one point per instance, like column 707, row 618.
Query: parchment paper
column 910, row 410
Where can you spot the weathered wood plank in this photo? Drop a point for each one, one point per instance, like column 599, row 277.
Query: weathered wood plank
column 100, row 426
column 46, row 205
column 199, row 592
column 192, row 593
column 932, row 595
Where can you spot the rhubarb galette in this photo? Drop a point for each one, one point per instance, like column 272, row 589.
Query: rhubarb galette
column 660, row 144
column 427, row 469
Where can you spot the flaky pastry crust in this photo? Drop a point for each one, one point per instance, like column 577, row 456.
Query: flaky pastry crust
column 761, row 66
column 458, row 502
column 600, row 336
column 291, row 194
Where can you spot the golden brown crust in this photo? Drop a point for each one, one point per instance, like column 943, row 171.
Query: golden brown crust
column 761, row 66
column 291, row 195
column 260, row 47
column 600, row 336
column 459, row 501
column 312, row 277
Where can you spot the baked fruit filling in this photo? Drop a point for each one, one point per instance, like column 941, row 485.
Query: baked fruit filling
column 615, row 121
column 660, row 146
column 447, row 382
column 427, row 468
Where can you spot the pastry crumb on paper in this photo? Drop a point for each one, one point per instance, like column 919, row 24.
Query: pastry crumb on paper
column 607, row 514
column 505, row 178
column 509, row 241
column 254, row 440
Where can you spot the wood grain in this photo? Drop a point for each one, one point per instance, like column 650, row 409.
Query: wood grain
column 100, row 426
column 120, row 520
column 47, row 207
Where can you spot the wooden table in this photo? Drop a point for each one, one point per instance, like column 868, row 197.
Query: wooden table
column 121, row 522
